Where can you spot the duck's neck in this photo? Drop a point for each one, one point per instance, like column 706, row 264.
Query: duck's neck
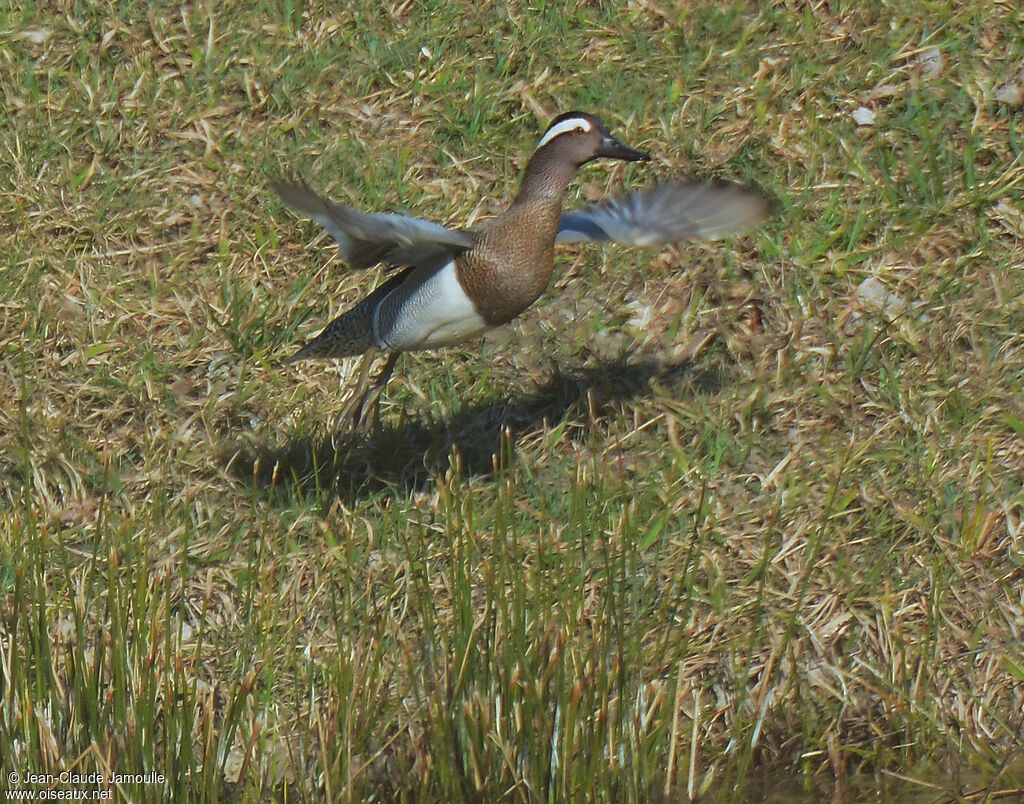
column 544, row 179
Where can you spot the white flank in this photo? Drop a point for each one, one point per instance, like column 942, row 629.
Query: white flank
column 430, row 309
column 572, row 124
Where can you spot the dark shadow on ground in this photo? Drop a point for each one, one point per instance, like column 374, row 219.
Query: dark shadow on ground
column 402, row 457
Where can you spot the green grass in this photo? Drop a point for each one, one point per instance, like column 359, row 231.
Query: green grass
column 716, row 523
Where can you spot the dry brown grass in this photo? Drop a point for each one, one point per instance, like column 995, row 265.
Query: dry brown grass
column 758, row 508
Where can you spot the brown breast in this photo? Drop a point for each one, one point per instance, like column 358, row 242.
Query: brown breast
column 511, row 264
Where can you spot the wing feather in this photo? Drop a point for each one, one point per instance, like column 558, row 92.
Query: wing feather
column 667, row 213
column 366, row 239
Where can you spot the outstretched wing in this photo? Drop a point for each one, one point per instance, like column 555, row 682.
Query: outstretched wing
column 667, row 213
column 365, row 239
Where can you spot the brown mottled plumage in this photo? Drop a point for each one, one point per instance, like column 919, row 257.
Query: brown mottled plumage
column 453, row 285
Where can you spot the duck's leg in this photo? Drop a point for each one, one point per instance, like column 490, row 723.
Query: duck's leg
column 369, row 406
column 354, row 404
column 361, row 407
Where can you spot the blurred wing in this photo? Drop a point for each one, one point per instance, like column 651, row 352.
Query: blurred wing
column 667, row 213
column 366, row 239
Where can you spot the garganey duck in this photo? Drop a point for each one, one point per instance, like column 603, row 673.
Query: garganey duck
column 452, row 285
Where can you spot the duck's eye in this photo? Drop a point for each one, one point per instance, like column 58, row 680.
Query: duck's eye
column 564, row 127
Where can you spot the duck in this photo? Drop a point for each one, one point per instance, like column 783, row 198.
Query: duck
column 446, row 286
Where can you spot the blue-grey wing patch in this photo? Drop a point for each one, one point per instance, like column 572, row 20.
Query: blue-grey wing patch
column 366, row 239
column 667, row 213
column 577, row 227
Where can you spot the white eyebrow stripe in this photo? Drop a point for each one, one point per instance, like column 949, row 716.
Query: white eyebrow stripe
column 571, row 124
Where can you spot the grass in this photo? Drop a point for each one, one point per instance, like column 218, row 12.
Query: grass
column 728, row 523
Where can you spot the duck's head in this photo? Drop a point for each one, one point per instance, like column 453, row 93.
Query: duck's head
column 578, row 137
